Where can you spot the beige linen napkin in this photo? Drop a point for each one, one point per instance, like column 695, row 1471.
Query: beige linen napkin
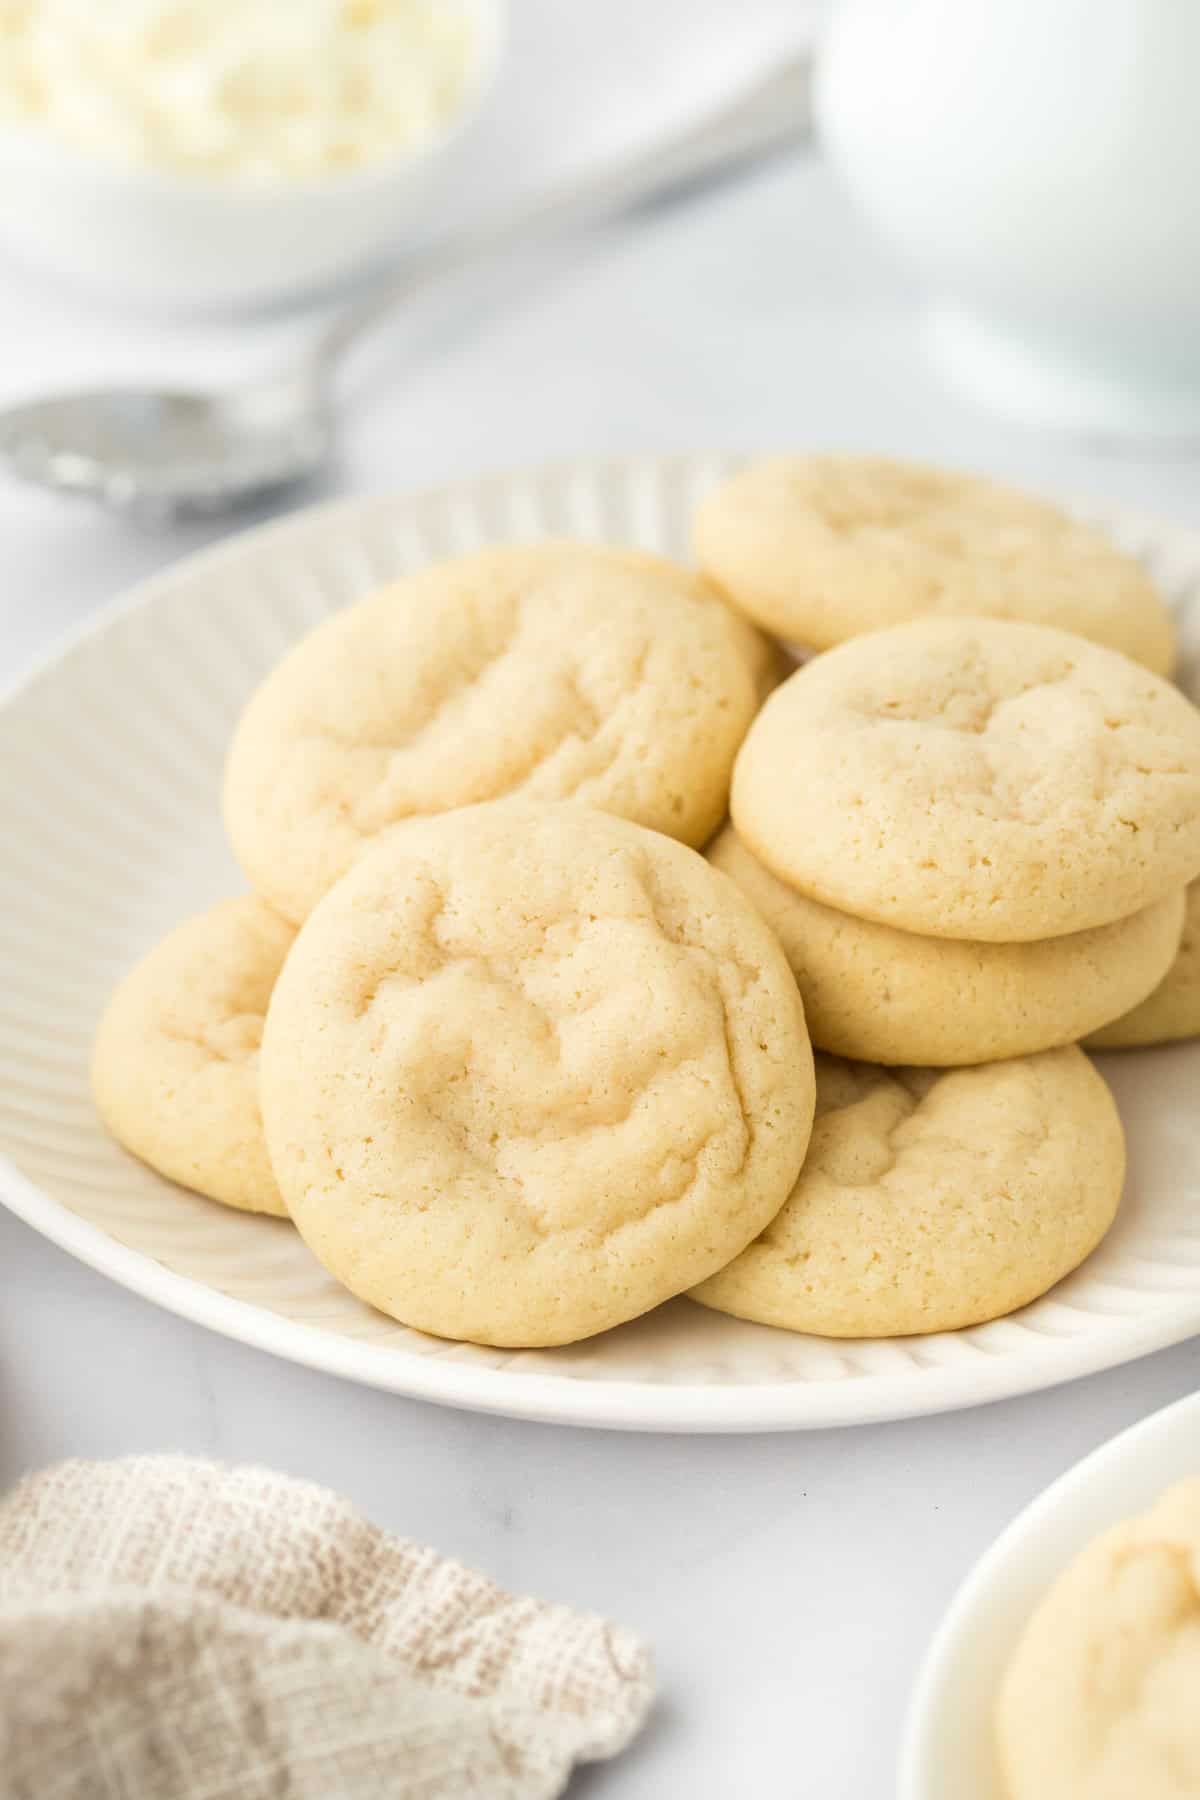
column 172, row 1628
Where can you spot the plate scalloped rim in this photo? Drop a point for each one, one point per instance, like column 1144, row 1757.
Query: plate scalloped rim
column 733, row 1384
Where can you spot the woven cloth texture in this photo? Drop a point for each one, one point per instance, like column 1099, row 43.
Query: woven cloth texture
column 171, row 1629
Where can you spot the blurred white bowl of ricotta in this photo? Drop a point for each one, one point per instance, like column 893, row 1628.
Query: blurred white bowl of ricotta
column 222, row 154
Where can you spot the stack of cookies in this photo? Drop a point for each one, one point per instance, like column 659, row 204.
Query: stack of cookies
column 520, row 1063
column 820, row 549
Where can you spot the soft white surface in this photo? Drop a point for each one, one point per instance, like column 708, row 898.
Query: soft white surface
column 789, row 1584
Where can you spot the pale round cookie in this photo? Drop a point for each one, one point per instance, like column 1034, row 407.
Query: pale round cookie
column 530, row 1071
column 887, row 996
column 1172, row 1011
column 552, row 671
column 974, row 779
column 933, row 1199
column 821, row 548
column 1099, row 1700
column 175, row 1062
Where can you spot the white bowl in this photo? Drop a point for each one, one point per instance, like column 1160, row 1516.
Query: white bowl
column 167, row 239
column 948, row 1752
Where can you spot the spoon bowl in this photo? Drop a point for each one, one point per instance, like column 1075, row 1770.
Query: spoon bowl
column 170, row 452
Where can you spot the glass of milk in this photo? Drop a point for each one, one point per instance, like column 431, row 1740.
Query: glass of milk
column 1039, row 166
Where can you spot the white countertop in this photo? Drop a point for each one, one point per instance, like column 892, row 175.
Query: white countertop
column 788, row 1584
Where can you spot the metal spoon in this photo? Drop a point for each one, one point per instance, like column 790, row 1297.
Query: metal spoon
column 175, row 453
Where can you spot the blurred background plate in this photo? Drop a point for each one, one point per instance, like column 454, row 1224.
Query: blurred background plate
column 109, row 813
column 948, row 1749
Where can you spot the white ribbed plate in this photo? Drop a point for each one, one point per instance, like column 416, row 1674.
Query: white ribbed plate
column 111, row 756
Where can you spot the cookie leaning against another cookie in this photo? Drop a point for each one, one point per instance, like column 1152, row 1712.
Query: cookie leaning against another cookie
column 934, row 1199
column 887, row 996
column 552, row 671
column 530, row 1071
column 1172, row 1011
column 175, row 1063
column 822, row 548
column 1099, row 1701
column 974, row 779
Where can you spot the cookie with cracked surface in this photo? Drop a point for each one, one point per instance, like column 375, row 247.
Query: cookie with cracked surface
column 1099, row 1699
column 530, row 1071
column 175, row 1062
column 822, row 548
column 552, row 671
column 934, row 1199
column 889, row 996
column 1172, row 1011
column 974, row 779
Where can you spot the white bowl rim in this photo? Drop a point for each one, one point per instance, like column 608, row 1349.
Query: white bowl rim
column 1086, row 1478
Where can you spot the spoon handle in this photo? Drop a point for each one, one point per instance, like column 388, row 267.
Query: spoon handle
column 773, row 114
